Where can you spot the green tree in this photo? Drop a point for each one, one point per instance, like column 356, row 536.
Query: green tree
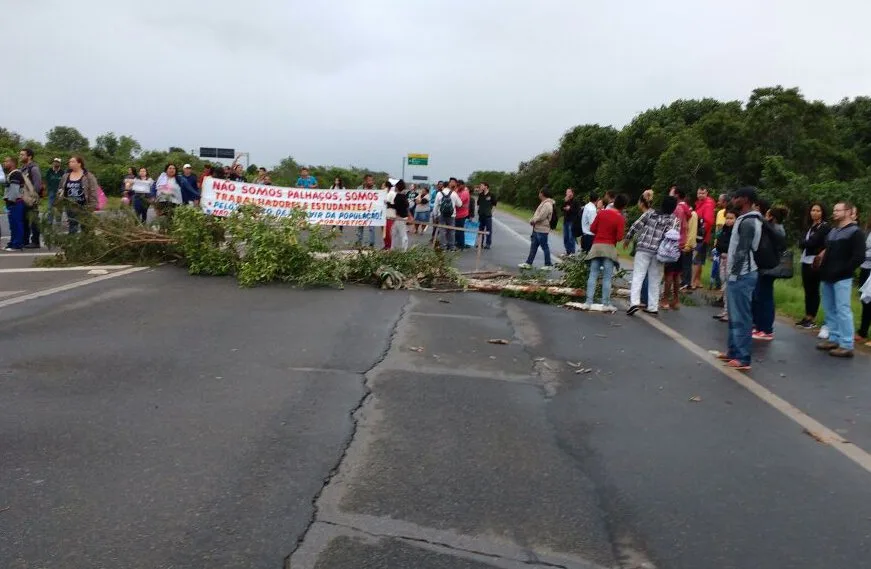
column 66, row 139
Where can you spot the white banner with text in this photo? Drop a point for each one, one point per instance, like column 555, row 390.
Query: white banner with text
column 323, row 207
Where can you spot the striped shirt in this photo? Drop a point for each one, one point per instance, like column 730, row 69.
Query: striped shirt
column 651, row 228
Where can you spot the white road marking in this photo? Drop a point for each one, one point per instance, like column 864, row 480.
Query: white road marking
column 69, row 286
column 811, row 425
column 63, row 269
column 525, row 240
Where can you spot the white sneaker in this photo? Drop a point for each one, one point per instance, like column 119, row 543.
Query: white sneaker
column 597, row 307
column 585, row 306
column 547, row 268
column 524, row 266
column 824, row 333
column 609, row 308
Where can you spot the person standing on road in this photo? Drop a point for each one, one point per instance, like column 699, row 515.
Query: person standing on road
column 462, row 214
column 684, row 213
column 763, row 298
column 705, row 210
column 391, row 211
column 486, row 203
column 78, row 192
column 12, row 196
column 609, row 228
column 864, row 274
column 306, row 180
column 368, row 186
column 422, row 209
column 588, row 215
column 52, row 183
column 812, row 244
column 743, row 276
column 541, row 222
column 446, row 204
column 403, row 215
column 650, row 230
column 190, row 191
column 167, row 193
column 721, row 253
column 571, row 210
column 140, row 189
column 719, row 223
column 31, row 213
column 844, row 253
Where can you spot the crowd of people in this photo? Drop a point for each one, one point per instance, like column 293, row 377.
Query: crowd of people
column 449, row 208
column 750, row 251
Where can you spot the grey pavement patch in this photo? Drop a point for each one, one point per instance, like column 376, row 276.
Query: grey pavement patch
column 68, row 286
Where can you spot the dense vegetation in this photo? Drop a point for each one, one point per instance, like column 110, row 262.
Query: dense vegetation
column 793, row 149
column 110, row 156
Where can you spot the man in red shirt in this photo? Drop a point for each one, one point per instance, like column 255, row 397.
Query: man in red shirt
column 462, row 214
column 608, row 227
column 705, row 207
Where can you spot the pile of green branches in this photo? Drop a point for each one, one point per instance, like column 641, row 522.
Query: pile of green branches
column 253, row 247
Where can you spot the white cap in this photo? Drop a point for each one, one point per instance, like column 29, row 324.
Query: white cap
column 186, row 166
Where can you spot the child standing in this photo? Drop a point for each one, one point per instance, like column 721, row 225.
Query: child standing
column 721, row 249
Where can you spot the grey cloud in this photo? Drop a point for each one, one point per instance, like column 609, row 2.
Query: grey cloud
column 479, row 84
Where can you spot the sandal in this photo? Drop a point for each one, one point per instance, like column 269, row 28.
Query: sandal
column 722, row 356
column 738, row 366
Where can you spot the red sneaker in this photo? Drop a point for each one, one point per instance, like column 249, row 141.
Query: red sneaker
column 763, row 336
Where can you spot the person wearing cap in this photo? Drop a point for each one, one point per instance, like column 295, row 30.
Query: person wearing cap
column 52, row 183
column 743, row 274
column 191, row 190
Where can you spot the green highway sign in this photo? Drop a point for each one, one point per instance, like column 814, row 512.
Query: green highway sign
column 418, row 159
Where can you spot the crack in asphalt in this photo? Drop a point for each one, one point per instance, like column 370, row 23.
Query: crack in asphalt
column 532, row 560
column 355, row 423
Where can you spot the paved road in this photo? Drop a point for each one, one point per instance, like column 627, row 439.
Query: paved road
column 152, row 419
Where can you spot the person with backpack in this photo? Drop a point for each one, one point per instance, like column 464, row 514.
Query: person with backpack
column 843, row 254
column 743, row 274
column 33, row 183
column 651, row 230
column 763, row 296
column 609, row 228
column 12, row 197
column 446, row 204
column 543, row 220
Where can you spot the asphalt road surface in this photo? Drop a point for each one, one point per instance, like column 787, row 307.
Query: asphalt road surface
column 149, row 419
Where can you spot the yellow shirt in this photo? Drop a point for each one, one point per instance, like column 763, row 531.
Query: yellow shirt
column 721, row 219
column 692, row 232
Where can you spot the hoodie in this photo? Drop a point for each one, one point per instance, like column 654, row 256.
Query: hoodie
column 541, row 219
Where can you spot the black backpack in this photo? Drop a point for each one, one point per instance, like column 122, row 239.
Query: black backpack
column 554, row 217
column 446, row 207
column 771, row 248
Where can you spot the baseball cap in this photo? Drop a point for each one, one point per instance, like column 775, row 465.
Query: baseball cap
column 186, row 166
column 56, row 160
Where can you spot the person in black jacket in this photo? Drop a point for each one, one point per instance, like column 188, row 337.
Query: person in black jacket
column 844, row 253
column 571, row 211
column 811, row 244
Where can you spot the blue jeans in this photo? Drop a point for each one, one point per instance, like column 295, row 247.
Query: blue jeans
column 446, row 236
column 140, row 206
column 763, row 304
column 537, row 240
column 644, row 289
column 486, row 224
column 73, row 219
column 606, row 267
column 839, row 312
column 459, row 234
column 568, row 238
column 371, row 236
column 15, row 211
column 740, row 293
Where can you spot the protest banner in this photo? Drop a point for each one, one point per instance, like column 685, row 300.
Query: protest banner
column 323, row 207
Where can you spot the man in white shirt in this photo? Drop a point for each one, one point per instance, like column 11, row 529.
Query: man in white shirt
column 588, row 216
column 447, row 213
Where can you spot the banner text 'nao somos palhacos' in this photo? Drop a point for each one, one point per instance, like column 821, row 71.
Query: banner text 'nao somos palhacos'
column 324, row 207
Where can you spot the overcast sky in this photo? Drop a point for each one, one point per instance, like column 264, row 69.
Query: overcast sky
column 478, row 84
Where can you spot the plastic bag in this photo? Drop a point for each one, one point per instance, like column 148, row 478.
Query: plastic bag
column 471, row 233
column 865, row 292
column 102, row 200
